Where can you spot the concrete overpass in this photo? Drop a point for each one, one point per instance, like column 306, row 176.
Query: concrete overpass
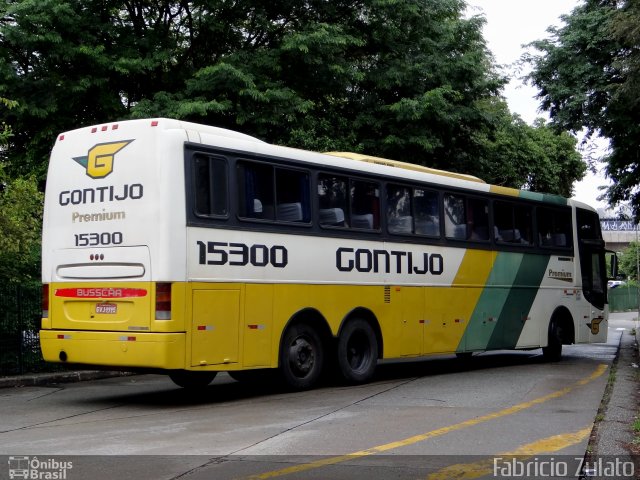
column 618, row 234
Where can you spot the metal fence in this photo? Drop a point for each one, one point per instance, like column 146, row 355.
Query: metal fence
column 622, row 299
column 20, row 316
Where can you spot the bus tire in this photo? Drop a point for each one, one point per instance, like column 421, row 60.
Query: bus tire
column 357, row 351
column 301, row 356
column 191, row 380
column 553, row 351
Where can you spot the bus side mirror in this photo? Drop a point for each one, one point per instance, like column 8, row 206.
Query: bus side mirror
column 613, row 274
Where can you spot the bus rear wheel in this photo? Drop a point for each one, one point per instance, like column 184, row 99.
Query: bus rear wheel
column 192, row 380
column 301, row 356
column 357, row 351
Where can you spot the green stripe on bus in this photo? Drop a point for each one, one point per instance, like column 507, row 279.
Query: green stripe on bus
column 498, row 318
column 519, row 301
column 491, row 302
column 531, row 195
column 543, row 197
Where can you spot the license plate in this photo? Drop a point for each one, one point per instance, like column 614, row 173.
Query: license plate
column 107, row 308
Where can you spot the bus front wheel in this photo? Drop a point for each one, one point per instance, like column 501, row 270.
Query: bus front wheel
column 301, row 356
column 191, row 380
column 553, row 351
column 357, row 351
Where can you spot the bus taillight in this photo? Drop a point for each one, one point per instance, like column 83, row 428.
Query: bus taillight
column 45, row 300
column 163, row 301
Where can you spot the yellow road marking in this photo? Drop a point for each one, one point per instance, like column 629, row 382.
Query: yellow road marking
column 433, row 433
column 468, row 471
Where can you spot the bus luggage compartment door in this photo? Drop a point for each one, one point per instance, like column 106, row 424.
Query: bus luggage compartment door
column 215, row 327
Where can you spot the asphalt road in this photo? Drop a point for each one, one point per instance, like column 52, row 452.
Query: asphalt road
column 427, row 419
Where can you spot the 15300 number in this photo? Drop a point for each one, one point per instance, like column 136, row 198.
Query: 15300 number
column 98, row 239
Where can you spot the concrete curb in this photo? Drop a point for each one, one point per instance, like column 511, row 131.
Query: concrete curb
column 39, row 379
column 614, row 430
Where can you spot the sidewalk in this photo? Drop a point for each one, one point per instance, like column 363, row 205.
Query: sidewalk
column 39, row 379
column 612, row 436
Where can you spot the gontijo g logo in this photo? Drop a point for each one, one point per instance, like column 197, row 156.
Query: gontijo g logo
column 99, row 160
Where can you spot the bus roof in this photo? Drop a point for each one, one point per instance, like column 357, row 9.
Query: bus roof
column 233, row 140
column 408, row 166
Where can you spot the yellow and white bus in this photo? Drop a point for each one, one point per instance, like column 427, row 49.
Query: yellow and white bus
column 189, row 249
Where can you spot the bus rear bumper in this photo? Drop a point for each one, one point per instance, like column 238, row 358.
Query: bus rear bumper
column 114, row 349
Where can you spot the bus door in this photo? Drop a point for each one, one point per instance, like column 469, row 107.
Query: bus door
column 412, row 321
column 215, row 326
column 447, row 314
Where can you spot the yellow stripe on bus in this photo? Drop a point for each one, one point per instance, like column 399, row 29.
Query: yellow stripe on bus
column 504, row 191
column 449, row 310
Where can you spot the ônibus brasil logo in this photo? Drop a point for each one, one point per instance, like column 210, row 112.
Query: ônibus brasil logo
column 98, row 161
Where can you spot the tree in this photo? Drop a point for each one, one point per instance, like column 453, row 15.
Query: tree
column 400, row 78
column 405, row 79
column 588, row 74
column 535, row 157
column 20, row 220
column 20, row 228
column 628, row 261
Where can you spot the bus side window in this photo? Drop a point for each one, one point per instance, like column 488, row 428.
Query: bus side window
column 255, row 187
column 466, row 218
column 455, row 223
column 292, row 196
column 332, row 199
column 513, row 224
column 272, row 193
column 477, row 219
column 399, row 219
column 554, row 227
column 365, row 205
column 211, row 189
column 426, row 211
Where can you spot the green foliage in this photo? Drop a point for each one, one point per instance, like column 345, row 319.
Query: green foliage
column 20, row 225
column 588, row 74
column 628, row 265
column 405, row 79
column 535, row 157
column 20, row 220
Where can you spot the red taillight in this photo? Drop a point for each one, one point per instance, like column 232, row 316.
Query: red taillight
column 45, row 300
column 163, row 301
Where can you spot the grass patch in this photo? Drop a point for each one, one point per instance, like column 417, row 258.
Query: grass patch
column 636, row 432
